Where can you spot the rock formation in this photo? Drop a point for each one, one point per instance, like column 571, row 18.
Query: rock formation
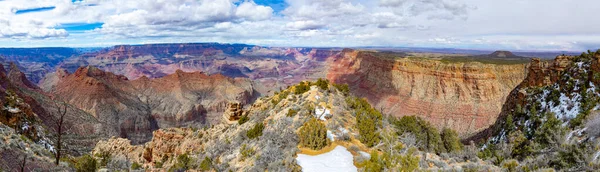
column 466, row 97
column 234, row 111
column 133, row 109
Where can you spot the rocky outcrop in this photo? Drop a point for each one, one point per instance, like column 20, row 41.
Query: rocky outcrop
column 19, row 79
column 234, row 111
column 15, row 149
column 466, row 97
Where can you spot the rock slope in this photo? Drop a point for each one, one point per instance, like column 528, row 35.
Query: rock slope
column 551, row 119
column 230, row 147
column 133, row 109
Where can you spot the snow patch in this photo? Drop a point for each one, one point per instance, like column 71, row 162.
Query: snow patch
column 321, row 113
column 568, row 108
column 339, row 159
column 330, row 136
column 13, row 109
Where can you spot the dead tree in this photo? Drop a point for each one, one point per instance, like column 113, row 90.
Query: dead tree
column 23, row 163
column 59, row 124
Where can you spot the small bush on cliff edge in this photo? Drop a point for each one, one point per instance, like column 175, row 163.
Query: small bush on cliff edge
column 302, row 88
column 342, row 88
column 243, row 119
column 451, row 140
column 323, row 84
column 85, row 163
column 313, row 135
column 368, row 120
column 255, row 131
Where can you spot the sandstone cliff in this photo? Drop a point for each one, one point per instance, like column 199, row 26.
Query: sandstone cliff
column 466, row 97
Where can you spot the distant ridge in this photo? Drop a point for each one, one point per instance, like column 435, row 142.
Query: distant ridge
column 500, row 54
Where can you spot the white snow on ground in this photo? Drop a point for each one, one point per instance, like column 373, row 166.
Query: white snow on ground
column 321, row 113
column 562, row 109
column 364, row 154
column 13, row 110
column 339, row 159
column 330, row 136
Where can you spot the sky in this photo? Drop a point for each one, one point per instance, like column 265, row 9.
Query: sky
column 536, row 25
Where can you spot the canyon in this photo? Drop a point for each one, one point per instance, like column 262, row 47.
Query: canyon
column 465, row 96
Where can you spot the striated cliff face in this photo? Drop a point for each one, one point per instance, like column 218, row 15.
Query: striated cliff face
column 133, row 109
column 466, row 97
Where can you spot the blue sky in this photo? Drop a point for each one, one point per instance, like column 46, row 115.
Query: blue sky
column 472, row 24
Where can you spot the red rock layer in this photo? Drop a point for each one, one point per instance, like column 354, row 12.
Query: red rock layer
column 133, row 109
column 466, row 97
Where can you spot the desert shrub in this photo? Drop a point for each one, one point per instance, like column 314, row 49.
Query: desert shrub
column 374, row 164
column 425, row 134
column 451, row 140
column 206, row 164
column 342, row 88
column 408, row 162
column 301, row 88
column 255, row 131
column 85, row 163
column 280, row 96
column 392, row 162
column 550, row 131
column 104, row 157
column 323, row 84
column 136, row 166
column 521, row 146
column 368, row 120
column 243, row 119
column 313, row 135
column 569, row 156
column 291, row 113
column 510, row 165
column 182, row 163
column 246, row 152
column 158, row 164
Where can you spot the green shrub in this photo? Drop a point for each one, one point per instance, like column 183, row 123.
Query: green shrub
column 313, row 135
column 184, row 162
column 570, row 156
column 423, row 131
column 256, row 131
column 521, row 146
column 451, row 140
column 85, row 163
column 374, row 164
column 302, row 88
column 104, row 158
column 291, row 113
column 246, row 152
column 392, row 162
column 136, row 166
column 342, row 88
column 158, row 164
column 510, row 165
column 280, row 96
column 549, row 131
column 243, row 119
column 206, row 164
column 323, row 84
column 368, row 120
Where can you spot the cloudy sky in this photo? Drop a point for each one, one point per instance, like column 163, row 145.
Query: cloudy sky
column 472, row 24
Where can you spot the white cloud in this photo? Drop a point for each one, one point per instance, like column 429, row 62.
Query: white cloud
column 304, row 25
column 251, row 11
column 491, row 24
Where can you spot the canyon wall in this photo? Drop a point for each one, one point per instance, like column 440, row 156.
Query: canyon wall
column 134, row 108
column 466, row 97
